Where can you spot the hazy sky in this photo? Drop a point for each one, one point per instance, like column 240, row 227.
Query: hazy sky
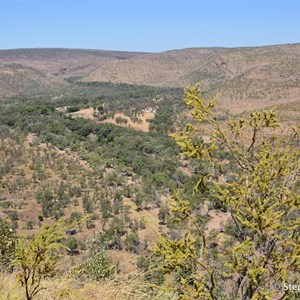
column 147, row 25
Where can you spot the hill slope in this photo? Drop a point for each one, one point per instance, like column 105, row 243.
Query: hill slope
column 34, row 71
column 17, row 79
column 270, row 72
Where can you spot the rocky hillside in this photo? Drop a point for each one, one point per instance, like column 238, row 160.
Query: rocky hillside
column 38, row 71
column 238, row 73
column 270, row 72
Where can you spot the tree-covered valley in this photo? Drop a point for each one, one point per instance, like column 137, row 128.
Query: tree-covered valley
column 147, row 190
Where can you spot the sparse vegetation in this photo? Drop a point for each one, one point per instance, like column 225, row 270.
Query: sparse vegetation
column 72, row 148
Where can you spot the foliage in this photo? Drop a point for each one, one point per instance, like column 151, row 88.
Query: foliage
column 36, row 259
column 8, row 240
column 98, row 267
column 163, row 120
column 72, row 109
column 71, row 243
column 262, row 197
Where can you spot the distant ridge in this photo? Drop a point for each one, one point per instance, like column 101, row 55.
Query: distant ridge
column 238, row 73
column 52, row 52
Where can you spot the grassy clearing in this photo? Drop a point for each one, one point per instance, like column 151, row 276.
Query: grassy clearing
column 143, row 125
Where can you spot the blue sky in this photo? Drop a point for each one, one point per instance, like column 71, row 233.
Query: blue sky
column 147, row 25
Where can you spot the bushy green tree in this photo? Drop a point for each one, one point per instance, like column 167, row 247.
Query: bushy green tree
column 261, row 195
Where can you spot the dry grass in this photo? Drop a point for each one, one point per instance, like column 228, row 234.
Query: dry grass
column 88, row 113
column 150, row 218
column 120, row 288
column 142, row 126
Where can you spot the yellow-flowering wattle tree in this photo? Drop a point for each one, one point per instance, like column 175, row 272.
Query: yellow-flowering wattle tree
column 260, row 251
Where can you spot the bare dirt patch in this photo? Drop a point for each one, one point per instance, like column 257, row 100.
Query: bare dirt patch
column 218, row 219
